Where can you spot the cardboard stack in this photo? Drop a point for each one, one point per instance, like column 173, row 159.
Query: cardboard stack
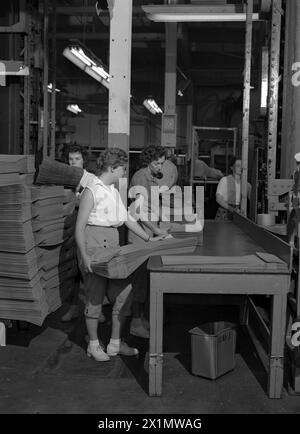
column 56, row 173
column 37, row 246
column 21, row 292
column 119, row 263
column 55, row 241
column 16, row 169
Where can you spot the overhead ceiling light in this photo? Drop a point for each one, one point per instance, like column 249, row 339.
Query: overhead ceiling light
column 86, row 60
column 151, row 105
column 264, row 87
column 50, row 88
column 192, row 13
column 74, row 108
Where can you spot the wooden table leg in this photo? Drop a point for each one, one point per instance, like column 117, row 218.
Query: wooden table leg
column 159, row 341
column 156, row 334
column 276, row 361
column 152, row 340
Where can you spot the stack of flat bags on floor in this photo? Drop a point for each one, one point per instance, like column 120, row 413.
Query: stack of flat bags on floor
column 16, row 169
column 37, row 247
column 119, row 263
column 54, row 237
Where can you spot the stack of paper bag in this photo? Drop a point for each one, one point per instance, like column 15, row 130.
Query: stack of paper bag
column 119, row 263
column 56, row 242
column 22, row 296
column 37, row 246
column 55, row 173
column 16, row 169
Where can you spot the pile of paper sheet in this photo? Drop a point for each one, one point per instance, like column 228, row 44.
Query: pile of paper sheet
column 21, row 292
column 16, row 169
column 55, row 173
column 119, row 263
column 37, row 246
column 56, row 243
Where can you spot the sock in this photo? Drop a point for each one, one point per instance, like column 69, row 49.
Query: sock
column 113, row 347
column 94, row 343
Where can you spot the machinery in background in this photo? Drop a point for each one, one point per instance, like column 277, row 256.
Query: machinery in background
column 214, row 146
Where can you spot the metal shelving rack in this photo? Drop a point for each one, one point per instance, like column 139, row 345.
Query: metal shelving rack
column 216, row 136
column 25, row 33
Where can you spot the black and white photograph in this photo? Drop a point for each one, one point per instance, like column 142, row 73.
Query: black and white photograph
column 150, row 212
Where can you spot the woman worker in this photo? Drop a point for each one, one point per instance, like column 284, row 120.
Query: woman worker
column 77, row 157
column 152, row 174
column 101, row 212
column 228, row 194
column 156, row 171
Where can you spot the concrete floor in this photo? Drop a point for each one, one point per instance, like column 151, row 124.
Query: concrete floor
column 45, row 370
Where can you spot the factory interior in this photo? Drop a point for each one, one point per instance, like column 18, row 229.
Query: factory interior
column 209, row 92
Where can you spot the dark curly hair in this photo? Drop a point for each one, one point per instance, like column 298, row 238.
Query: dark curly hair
column 113, row 157
column 74, row 148
column 232, row 161
column 151, row 153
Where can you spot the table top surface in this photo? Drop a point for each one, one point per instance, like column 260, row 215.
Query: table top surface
column 220, row 239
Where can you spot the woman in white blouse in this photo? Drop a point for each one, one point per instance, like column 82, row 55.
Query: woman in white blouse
column 228, row 193
column 77, row 156
column 101, row 212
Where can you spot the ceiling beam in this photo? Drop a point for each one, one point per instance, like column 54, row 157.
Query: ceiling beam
column 207, row 47
column 87, row 10
column 101, row 36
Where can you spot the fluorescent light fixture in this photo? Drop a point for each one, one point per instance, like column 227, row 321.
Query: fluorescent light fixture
column 264, row 87
column 50, row 88
column 151, row 105
column 74, row 108
column 80, row 54
column 86, row 60
column 192, row 13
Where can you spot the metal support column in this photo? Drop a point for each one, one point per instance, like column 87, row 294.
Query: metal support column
column 246, row 106
column 168, row 137
column 27, row 98
column 273, row 88
column 291, row 90
column 53, row 81
column 189, row 127
column 45, row 83
column 120, row 74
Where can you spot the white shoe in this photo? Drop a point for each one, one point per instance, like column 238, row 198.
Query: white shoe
column 124, row 350
column 98, row 353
